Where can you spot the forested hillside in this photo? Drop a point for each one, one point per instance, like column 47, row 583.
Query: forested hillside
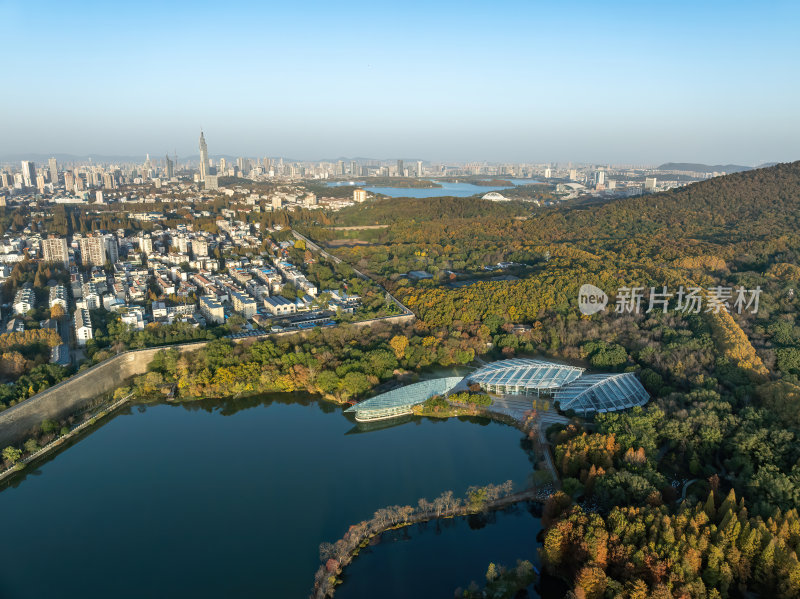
column 725, row 386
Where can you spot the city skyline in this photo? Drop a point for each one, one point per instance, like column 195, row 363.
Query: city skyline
column 514, row 82
column 43, row 159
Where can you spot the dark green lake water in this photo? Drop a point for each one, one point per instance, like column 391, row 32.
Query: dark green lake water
column 231, row 499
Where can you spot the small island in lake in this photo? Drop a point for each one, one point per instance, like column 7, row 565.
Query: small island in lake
column 401, row 182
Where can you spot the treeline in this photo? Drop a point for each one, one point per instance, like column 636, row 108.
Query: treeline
column 391, row 210
column 35, row 380
column 640, row 456
column 710, row 549
column 335, row 556
column 20, row 352
column 725, row 388
column 339, row 362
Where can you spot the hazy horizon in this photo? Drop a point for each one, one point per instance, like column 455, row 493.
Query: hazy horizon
column 64, row 157
column 617, row 83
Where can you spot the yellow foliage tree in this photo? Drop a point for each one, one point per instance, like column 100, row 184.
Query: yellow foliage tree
column 399, row 343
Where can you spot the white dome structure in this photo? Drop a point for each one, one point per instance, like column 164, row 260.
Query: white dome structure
column 493, row 196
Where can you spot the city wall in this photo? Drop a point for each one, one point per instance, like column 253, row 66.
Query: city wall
column 73, row 394
column 69, row 396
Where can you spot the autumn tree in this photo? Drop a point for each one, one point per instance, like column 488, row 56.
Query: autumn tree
column 399, row 343
column 12, row 454
column 57, row 312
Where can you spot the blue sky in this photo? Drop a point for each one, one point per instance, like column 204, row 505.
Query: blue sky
column 603, row 82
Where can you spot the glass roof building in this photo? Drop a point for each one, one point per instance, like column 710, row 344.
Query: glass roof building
column 602, row 393
column 522, row 376
column 398, row 402
column 568, row 385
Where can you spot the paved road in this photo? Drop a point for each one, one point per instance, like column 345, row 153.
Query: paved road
column 546, row 453
column 62, row 439
column 516, row 407
column 311, row 245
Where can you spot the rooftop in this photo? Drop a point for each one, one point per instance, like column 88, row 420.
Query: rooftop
column 399, row 401
column 526, row 373
column 602, row 393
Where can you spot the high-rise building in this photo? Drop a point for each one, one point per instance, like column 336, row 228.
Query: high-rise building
column 650, row 183
column 600, row 178
column 223, row 165
column 548, row 173
column 400, row 168
column 54, row 249
column 53, row 166
column 28, row 173
column 203, row 157
column 573, row 174
column 93, row 250
column 69, row 180
column 359, row 195
column 419, row 168
column 111, row 248
column 169, row 167
column 354, row 169
column 146, row 244
column 108, row 181
column 200, row 247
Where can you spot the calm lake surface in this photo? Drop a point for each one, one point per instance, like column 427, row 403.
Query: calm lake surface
column 434, row 559
column 461, row 190
column 232, row 498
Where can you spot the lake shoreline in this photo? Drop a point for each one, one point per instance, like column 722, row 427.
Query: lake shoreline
column 205, row 408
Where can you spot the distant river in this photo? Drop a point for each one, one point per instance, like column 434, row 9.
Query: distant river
column 232, row 499
column 461, row 190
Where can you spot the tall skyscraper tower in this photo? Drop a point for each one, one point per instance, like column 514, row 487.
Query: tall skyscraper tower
column 203, row 157
column 400, row 168
column 170, row 167
column 28, row 173
column 600, row 178
column 53, row 165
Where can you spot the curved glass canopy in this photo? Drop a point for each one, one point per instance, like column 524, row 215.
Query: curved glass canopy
column 568, row 385
column 602, row 393
column 523, row 376
column 399, row 401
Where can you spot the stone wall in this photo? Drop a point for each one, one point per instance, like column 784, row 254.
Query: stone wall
column 391, row 320
column 69, row 396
